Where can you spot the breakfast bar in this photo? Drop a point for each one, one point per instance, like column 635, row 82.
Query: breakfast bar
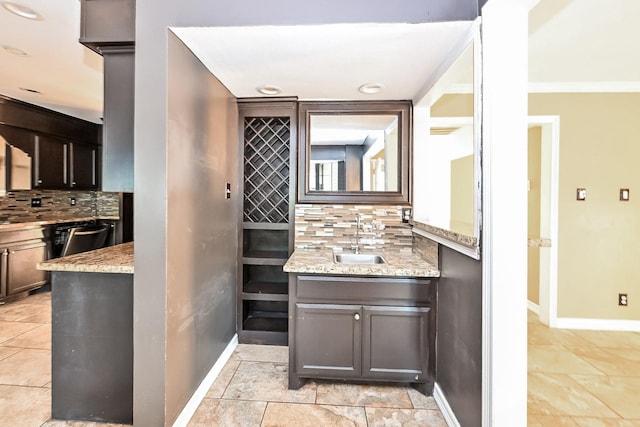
column 92, row 335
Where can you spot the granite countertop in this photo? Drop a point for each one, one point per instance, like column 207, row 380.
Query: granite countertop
column 5, row 226
column 112, row 259
column 399, row 264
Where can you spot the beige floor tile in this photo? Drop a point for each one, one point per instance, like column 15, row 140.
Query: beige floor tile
column 261, row 353
column 558, row 394
column 28, row 367
column 228, row 413
column 18, row 311
column 619, row 393
column 43, row 316
column 537, row 420
column 61, row 423
column 303, row 415
column 420, row 401
column 385, row 417
column 605, row 422
column 7, row 351
column 39, row 338
column 558, row 360
column 381, row 396
column 611, row 339
column 24, row 406
column 540, row 334
column 266, row 381
column 10, row 330
column 220, row 384
column 614, row 362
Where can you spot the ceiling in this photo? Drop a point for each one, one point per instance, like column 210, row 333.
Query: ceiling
column 579, row 44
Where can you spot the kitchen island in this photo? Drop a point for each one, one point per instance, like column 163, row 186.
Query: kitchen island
column 92, row 335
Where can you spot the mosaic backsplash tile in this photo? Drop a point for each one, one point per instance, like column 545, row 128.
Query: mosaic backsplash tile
column 334, row 226
column 15, row 206
column 426, row 248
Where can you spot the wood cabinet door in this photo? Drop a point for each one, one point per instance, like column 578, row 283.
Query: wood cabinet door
column 395, row 343
column 328, row 340
column 50, row 169
column 84, row 165
column 22, row 273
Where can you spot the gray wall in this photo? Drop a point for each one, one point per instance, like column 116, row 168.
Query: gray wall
column 174, row 304
column 459, row 335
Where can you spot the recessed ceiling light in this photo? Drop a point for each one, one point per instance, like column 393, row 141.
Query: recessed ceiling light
column 25, row 89
column 269, row 90
column 371, row 88
column 21, row 10
column 15, row 51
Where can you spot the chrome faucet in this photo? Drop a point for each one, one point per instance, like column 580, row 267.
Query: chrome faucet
column 356, row 247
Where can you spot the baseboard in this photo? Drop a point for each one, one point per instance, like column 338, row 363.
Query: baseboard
column 598, row 324
column 532, row 306
column 446, row 410
column 197, row 397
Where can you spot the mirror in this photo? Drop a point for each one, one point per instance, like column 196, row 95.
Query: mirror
column 354, row 151
column 447, row 154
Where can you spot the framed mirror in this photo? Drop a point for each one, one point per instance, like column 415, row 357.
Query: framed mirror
column 447, row 200
column 354, row 152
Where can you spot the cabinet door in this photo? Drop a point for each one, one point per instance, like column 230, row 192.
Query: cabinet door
column 50, row 170
column 22, row 273
column 84, row 165
column 395, row 343
column 327, row 340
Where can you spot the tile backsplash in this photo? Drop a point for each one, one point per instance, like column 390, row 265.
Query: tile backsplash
column 334, row 227
column 15, row 206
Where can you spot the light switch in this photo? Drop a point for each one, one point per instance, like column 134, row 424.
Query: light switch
column 581, row 194
column 624, row 194
column 227, row 191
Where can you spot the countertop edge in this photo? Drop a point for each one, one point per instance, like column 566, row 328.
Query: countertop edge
column 112, row 259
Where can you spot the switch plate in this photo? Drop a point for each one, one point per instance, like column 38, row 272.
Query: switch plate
column 406, row 215
column 624, row 194
column 227, row 191
column 581, row 194
column 36, row 202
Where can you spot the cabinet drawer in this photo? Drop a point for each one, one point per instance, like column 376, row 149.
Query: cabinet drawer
column 364, row 290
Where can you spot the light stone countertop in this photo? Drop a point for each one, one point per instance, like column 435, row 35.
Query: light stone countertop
column 399, row 264
column 6, row 226
column 112, row 259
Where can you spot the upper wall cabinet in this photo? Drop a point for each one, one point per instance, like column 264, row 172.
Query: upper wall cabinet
column 356, row 152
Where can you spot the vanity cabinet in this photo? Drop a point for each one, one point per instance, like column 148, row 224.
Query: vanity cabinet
column 362, row 328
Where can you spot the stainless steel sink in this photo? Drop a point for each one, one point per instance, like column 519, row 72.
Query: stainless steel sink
column 358, row 259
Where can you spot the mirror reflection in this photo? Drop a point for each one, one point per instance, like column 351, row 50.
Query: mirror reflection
column 351, row 152
column 445, row 159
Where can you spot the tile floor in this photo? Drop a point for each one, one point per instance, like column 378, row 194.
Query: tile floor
column 576, row 378
column 582, row 378
column 250, row 391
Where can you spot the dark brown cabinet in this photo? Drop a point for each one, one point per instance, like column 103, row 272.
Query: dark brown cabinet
column 20, row 252
column 369, row 329
column 50, row 163
column 83, row 160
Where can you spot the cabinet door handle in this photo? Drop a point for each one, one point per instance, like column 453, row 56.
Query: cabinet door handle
column 356, row 316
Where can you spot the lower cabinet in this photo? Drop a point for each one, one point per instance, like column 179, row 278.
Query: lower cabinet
column 20, row 252
column 366, row 329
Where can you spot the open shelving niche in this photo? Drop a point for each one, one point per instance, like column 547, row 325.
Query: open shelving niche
column 268, row 131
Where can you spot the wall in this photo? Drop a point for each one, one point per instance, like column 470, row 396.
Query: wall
column 16, row 205
column 334, row 227
column 534, row 173
column 153, row 293
column 462, row 195
column 459, row 335
column 597, row 242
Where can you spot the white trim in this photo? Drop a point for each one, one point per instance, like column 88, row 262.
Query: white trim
column 598, row 324
column 443, row 404
column 584, row 87
column 465, row 250
column 197, row 397
column 532, row 306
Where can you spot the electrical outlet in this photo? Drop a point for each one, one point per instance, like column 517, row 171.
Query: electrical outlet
column 623, row 300
column 406, row 215
column 36, row 202
column 72, row 201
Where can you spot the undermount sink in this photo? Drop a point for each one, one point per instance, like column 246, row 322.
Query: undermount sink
column 358, row 259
